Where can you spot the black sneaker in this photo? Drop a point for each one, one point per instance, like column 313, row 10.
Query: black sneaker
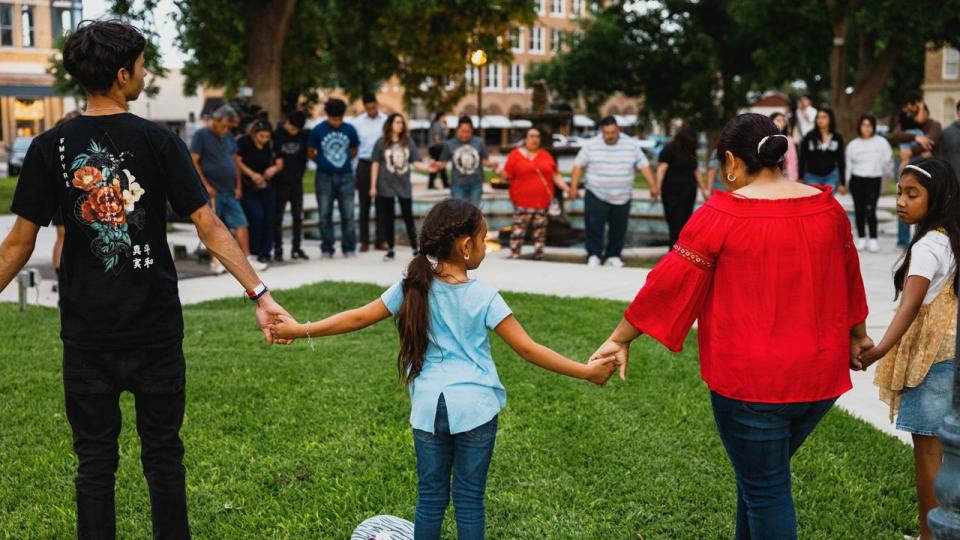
column 264, row 259
column 278, row 256
column 299, row 254
column 389, row 256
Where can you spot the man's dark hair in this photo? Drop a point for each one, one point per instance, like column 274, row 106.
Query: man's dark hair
column 913, row 96
column 335, row 107
column 958, row 107
column 608, row 120
column 369, row 98
column 297, row 119
column 464, row 120
column 97, row 50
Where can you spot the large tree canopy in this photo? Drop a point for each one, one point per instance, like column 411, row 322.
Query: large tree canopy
column 283, row 49
column 701, row 60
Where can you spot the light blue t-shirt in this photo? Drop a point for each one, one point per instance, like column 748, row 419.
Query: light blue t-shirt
column 458, row 363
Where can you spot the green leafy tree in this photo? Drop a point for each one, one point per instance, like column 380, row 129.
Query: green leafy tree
column 153, row 63
column 679, row 56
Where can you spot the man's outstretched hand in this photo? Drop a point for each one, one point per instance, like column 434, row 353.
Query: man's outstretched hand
column 268, row 313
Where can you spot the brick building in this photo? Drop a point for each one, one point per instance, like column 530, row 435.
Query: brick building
column 28, row 33
column 941, row 84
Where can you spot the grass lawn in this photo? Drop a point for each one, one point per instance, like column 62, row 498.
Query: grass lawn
column 294, row 443
column 7, row 187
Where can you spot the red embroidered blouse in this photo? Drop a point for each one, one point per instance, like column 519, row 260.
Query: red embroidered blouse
column 776, row 287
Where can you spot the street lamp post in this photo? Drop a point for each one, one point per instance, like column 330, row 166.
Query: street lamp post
column 479, row 58
column 944, row 521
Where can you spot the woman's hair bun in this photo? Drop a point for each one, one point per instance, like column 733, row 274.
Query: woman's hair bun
column 771, row 149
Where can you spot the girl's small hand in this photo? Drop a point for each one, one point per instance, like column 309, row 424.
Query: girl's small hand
column 285, row 327
column 870, row 356
column 619, row 351
column 601, row 369
column 858, row 345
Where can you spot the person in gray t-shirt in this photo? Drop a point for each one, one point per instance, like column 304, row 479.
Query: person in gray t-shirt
column 468, row 154
column 394, row 155
column 949, row 147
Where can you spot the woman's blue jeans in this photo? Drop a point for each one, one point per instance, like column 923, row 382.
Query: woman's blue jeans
column 467, row 455
column 760, row 439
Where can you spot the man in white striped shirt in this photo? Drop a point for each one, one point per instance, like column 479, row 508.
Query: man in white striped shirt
column 609, row 161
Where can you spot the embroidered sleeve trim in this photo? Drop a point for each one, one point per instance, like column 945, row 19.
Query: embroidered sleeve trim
column 693, row 257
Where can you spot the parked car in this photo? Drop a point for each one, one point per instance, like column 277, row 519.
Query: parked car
column 17, row 152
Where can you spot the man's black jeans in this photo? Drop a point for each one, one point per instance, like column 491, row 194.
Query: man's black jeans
column 93, row 380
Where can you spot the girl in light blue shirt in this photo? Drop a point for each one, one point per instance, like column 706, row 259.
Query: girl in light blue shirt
column 444, row 319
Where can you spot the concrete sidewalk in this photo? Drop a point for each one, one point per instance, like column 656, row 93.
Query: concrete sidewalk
column 560, row 279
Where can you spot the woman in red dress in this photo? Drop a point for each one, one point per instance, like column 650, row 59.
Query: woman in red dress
column 533, row 174
column 770, row 271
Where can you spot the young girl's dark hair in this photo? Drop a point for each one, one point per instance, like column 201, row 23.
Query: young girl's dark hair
column 742, row 137
column 388, row 129
column 447, row 221
column 943, row 210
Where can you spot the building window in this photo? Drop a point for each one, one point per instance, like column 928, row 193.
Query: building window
column 555, row 40
column 26, row 23
column 556, row 7
column 536, row 40
column 951, row 63
column 516, row 39
column 539, row 5
column 6, row 25
column 492, row 77
column 515, row 77
column 64, row 20
column 576, row 8
column 472, row 76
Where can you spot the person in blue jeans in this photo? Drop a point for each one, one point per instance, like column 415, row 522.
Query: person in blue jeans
column 444, row 319
column 333, row 144
column 468, row 154
column 258, row 168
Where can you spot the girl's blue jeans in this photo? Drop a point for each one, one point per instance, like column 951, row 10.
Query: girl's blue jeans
column 760, row 439
column 467, row 455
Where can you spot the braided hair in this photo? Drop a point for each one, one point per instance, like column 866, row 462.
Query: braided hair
column 446, row 222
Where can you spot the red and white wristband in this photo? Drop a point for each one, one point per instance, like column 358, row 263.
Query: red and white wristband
column 258, row 291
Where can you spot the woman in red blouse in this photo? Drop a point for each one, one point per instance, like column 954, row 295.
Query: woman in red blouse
column 533, row 174
column 770, row 271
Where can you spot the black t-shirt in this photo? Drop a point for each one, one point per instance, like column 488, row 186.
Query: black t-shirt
column 112, row 176
column 258, row 159
column 292, row 149
column 681, row 167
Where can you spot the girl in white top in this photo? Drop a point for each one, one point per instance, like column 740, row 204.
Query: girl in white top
column 916, row 354
column 868, row 159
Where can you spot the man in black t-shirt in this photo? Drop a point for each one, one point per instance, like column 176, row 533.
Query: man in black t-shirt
column 110, row 174
column 290, row 145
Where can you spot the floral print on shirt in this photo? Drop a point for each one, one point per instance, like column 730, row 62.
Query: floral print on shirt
column 109, row 204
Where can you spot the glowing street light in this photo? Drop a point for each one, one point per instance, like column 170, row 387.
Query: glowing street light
column 479, row 58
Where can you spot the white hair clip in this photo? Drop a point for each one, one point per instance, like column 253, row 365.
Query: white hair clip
column 923, row 172
column 763, row 140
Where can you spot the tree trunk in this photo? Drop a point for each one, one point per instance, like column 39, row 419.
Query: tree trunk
column 872, row 73
column 266, row 28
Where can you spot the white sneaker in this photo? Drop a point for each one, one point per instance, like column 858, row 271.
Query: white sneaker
column 861, row 244
column 216, row 267
column 593, row 261
column 257, row 265
column 873, row 245
column 615, row 262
